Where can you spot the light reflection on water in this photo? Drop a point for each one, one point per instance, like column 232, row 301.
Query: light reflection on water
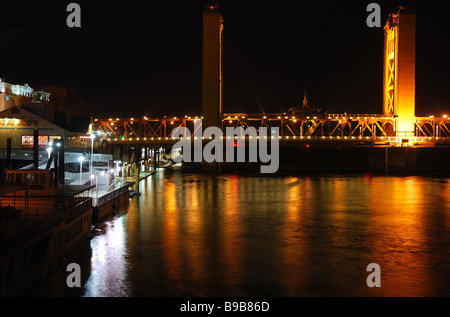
column 230, row 235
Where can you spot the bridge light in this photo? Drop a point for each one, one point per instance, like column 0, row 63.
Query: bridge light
column 171, row 122
column 445, row 116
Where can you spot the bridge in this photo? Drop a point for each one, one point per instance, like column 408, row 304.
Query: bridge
column 309, row 138
column 291, row 126
column 396, row 126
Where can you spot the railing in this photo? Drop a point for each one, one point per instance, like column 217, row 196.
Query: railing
column 29, row 223
column 75, row 211
column 42, row 221
column 103, row 199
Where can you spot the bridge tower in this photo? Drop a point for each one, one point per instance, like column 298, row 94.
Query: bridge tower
column 399, row 70
column 212, row 88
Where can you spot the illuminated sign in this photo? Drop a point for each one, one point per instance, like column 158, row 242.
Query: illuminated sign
column 5, row 122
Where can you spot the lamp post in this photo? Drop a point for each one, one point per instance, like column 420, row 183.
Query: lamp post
column 81, row 159
column 96, row 185
column 92, row 153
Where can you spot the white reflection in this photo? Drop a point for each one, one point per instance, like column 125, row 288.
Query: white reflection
column 109, row 264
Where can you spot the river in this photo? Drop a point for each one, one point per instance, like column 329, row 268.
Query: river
column 197, row 234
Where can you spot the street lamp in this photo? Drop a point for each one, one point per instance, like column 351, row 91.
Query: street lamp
column 81, row 159
column 92, row 153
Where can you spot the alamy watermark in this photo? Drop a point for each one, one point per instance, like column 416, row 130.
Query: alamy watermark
column 234, row 138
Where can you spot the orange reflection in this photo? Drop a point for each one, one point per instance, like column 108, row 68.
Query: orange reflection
column 194, row 236
column 397, row 229
column 294, row 253
column 230, row 233
column 171, row 235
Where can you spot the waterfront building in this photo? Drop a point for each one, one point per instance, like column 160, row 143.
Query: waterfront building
column 18, row 95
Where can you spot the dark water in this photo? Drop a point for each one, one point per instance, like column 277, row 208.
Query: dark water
column 234, row 235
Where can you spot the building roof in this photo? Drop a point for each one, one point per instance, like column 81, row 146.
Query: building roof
column 21, row 113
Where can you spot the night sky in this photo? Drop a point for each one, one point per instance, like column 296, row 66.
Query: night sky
column 133, row 58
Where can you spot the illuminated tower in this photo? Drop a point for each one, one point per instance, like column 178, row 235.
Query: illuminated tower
column 212, row 66
column 399, row 70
